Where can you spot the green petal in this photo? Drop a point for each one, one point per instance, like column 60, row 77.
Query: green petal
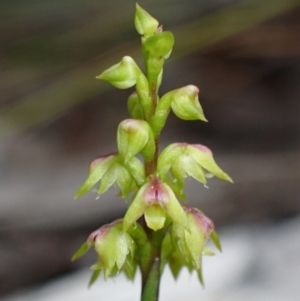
column 203, row 156
column 118, row 174
column 95, row 175
column 137, row 170
column 94, row 277
column 82, row 249
column 134, row 108
column 185, row 165
column 215, row 238
column 155, row 217
column 167, row 157
column 195, row 241
column 174, row 209
column 136, row 208
column 160, row 44
column 130, row 267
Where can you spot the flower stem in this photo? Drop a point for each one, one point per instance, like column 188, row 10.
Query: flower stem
column 151, row 265
column 150, row 257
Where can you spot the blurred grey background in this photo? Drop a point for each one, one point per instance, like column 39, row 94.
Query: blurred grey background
column 55, row 117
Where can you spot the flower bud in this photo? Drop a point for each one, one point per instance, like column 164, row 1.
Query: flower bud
column 155, row 199
column 122, row 75
column 160, row 44
column 144, row 23
column 135, row 136
column 96, row 171
column 185, row 103
column 134, row 107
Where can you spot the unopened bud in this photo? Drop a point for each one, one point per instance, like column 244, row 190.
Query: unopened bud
column 122, row 75
column 135, row 136
column 185, row 103
column 144, row 23
column 160, row 44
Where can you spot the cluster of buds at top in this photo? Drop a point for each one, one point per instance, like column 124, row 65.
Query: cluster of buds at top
column 155, row 185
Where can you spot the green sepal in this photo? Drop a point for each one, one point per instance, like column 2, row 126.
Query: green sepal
column 208, row 252
column 185, row 165
column 200, row 275
column 116, row 174
column 215, row 239
column 177, row 261
column 134, row 107
column 138, row 234
column 130, row 267
column 95, row 276
column 166, row 250
column 195, row 241
column 82, row 249
column 96, row 171
column 204, row 157
column 144, row 23
column 136, row 208
column 167, row 157
column 137, row 170
column 160, row 44
column 175, row 210
column 176, row 187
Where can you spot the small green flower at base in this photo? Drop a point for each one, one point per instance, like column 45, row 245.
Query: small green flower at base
column 189, row 246
column 114, row 248
column 155, row 199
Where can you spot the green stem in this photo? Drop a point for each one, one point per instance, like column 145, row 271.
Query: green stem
column 150, row 265
column 151, row 252
column 150, row 287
